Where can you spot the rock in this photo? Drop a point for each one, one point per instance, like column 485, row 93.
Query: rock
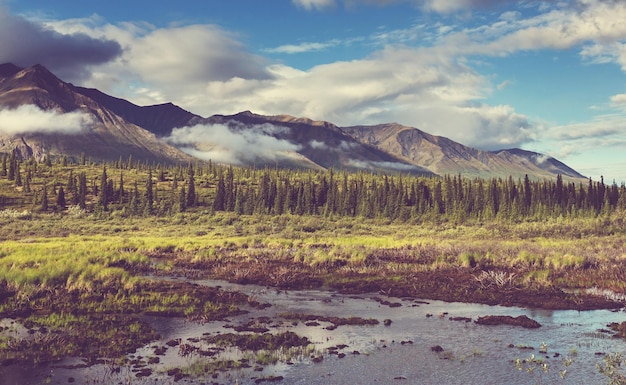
column 387, row 322
column 436, row 349
column 521, row 320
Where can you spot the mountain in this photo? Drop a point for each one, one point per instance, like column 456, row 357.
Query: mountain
column 85, row 120
column 444, row 156
column 316, row 143
column 76, row 122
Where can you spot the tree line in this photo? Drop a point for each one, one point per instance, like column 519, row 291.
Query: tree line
column 135, row 188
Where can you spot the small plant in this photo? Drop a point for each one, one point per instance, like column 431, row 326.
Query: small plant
column 611, row 368
column 500, row 279
column 538, row 367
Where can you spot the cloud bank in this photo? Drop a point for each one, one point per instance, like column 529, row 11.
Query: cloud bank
column 29, row 119
column 236, row 145
column 25, row 43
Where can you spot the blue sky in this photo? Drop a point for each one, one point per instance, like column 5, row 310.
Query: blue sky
column 544, row 76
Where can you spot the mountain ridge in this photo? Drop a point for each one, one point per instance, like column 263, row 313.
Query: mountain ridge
column 121, row 128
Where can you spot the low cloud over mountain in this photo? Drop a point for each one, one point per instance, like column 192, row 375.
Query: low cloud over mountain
column 235, row 143
column 27, row 119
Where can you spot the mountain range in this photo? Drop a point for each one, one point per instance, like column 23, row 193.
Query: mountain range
column 42, row 115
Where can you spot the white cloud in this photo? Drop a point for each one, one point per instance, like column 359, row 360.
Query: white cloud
column 234, row 145
column 618, row 101
column 303, row 47
column 314, row 4
column 28, row 119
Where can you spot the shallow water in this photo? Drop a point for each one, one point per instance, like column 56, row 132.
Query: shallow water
column 398, row 353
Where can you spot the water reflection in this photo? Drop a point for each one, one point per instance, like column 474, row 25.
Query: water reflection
column 379, row 354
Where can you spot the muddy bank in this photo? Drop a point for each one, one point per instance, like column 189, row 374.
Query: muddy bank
column 459, row 284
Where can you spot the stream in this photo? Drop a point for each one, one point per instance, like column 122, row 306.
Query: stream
column 397, row 351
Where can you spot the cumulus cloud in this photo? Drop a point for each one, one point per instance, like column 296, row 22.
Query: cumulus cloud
column 618, row 101
column 28, row 119
column 26, row 43
column 234, row 144
column 166, row 64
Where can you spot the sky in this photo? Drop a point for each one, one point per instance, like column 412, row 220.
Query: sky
column 545, row 76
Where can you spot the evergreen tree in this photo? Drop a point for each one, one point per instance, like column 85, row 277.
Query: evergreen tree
column 182, row 199
column 3, row 169
column 220, row 194
column 44, row 199
column 61, row 198
column 81, row 200
column 149, row 195
column 27, row 181
column 191, row 188
column 103, row 197
column 120, row 192
column 12, row 165
column 18, row 175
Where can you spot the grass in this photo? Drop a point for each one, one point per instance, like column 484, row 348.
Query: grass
column 76, row 274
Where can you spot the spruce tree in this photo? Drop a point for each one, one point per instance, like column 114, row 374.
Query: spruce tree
column 44, row 199
column 103, row 197
column 120, row 191
column 218, row 203
column 82, row 191
column 3, row 170
column 61, row 199
column 191, row 190
column 27, row 181
column 149, row 195
column 182, row 199
column 18, row 175
column 12, row 165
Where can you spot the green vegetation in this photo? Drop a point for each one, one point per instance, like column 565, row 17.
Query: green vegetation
column 80, row 240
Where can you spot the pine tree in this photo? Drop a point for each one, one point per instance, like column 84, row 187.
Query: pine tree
column 149, row 195
column 218, row 203
column 27, row 181
column 3, row 169
column 182, row 199
column 61, row 198
column 103, row 197
column 81, row 200
column 12, row 165
column 44, row 199
column 191, row 188
column 120, row 192
column 18, row 175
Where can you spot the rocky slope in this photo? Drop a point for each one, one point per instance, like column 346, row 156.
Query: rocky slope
column 444, row 156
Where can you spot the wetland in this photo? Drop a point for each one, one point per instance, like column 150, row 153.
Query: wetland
column 223, row 299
